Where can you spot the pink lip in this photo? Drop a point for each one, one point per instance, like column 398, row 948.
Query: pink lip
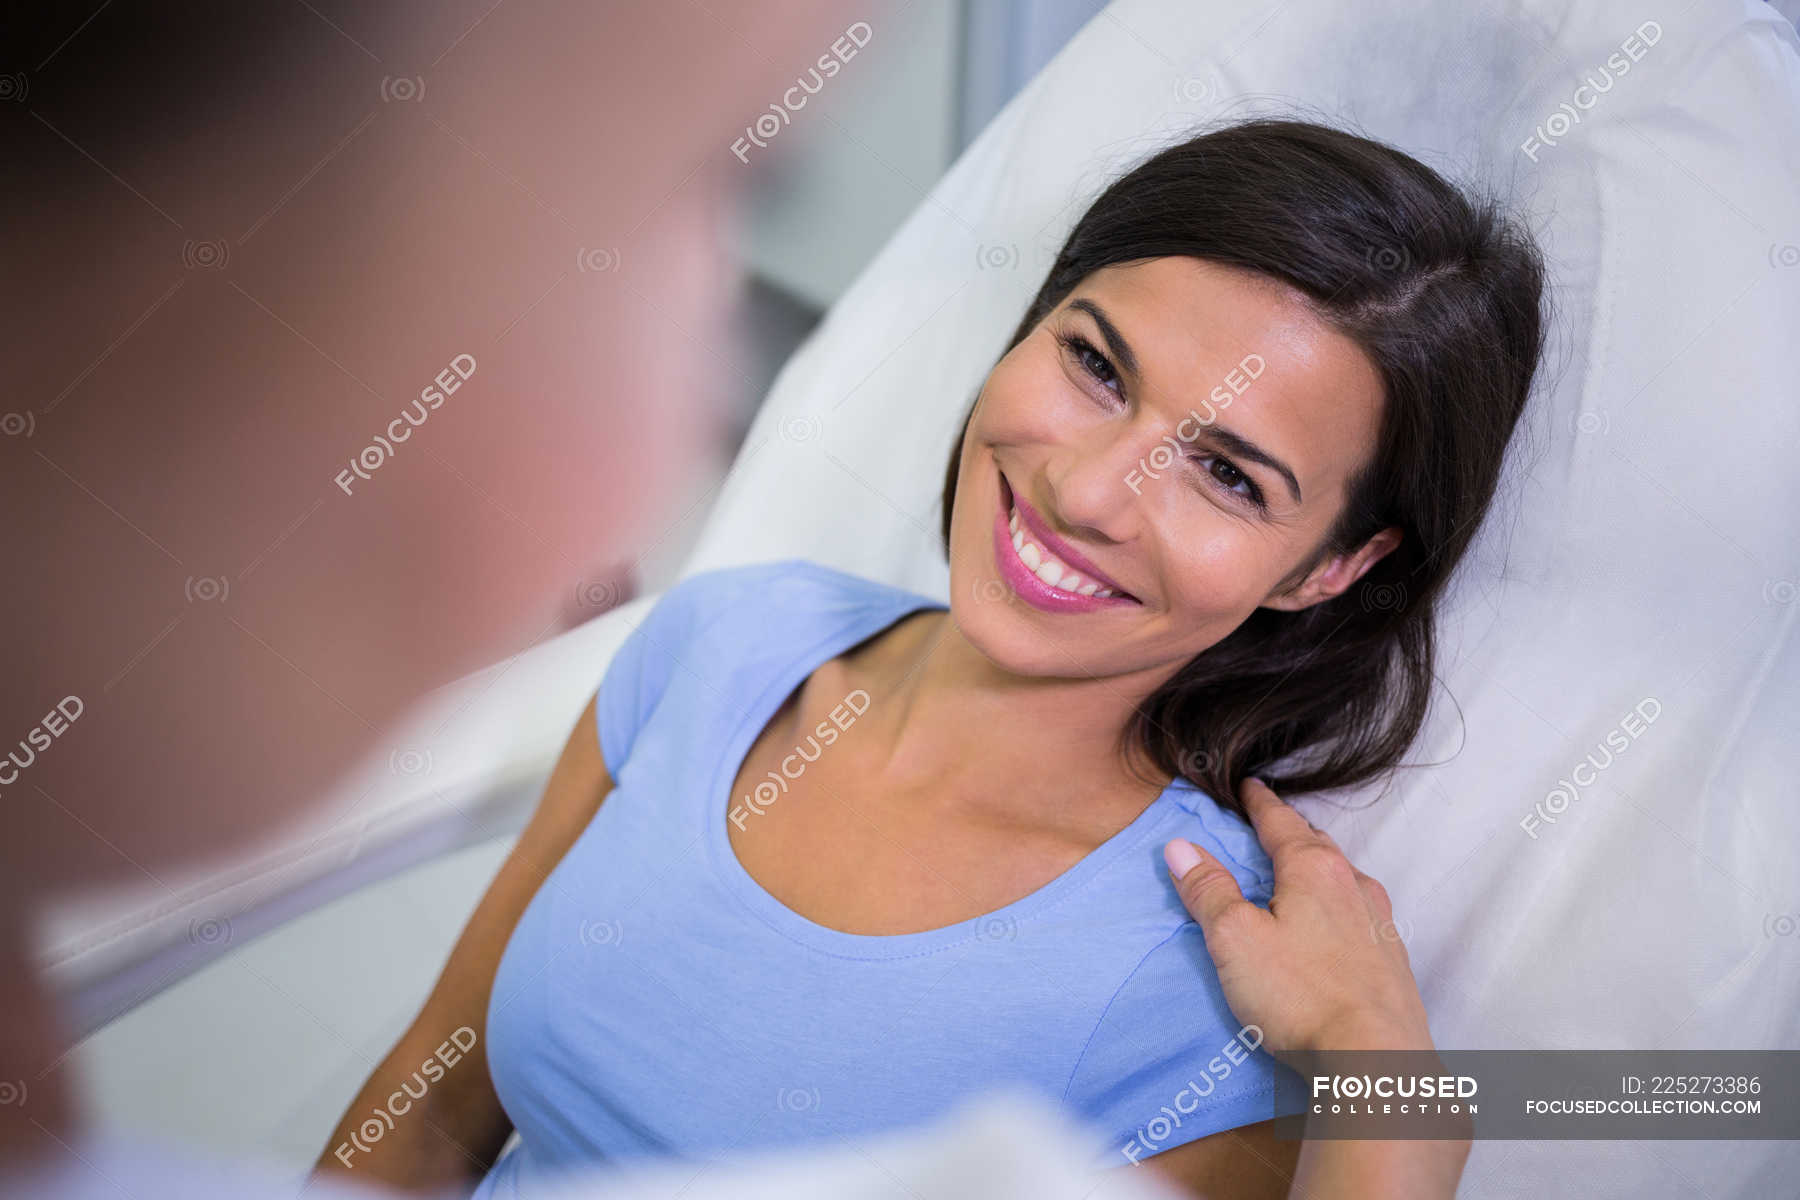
column 1029, row 587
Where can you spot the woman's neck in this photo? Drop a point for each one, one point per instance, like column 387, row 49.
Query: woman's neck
column 943, row 708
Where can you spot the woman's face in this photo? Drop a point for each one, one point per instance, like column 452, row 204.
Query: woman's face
column 1262, row 414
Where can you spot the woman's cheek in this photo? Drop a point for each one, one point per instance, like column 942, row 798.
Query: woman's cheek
column 1036, row 400
column 1217, row 569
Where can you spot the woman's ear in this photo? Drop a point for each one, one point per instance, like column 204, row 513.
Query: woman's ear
column 1336, row 573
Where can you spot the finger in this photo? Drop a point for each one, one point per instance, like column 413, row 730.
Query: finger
column 1279, row 826
column 1206, row 887
column 1377, row 894
column 1362, row 878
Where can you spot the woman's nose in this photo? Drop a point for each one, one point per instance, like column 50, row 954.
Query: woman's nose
column 1100, row 483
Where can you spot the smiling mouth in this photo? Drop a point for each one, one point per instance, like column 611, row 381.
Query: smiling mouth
column 1044, row 565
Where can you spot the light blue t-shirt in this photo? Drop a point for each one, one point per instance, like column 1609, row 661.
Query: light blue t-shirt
column 655, row 1001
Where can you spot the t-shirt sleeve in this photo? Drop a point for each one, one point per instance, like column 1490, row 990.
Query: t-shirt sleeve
column 639, row 672
column 1169, row 1063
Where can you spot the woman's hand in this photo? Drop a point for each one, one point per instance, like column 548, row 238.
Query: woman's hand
column 1322, row 969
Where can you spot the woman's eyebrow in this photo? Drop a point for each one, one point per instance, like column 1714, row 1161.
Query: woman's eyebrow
column 1233, row 443
column 1115, row 341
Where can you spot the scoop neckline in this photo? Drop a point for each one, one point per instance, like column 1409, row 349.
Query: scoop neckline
column 842, row 943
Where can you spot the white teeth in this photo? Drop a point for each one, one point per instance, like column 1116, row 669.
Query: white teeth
column 1047, row 568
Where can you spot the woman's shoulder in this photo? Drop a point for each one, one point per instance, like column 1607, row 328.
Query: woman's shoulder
column 1132, row 908
column 790, row 592
column 1167, row 1061
column 794, row 572
column 1224, row 834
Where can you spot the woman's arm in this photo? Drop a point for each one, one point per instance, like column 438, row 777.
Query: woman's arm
column 1246, row 1163
column 455, row 1131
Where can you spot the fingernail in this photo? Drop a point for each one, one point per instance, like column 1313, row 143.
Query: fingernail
column 1182, row 857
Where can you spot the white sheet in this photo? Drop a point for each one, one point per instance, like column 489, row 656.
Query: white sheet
column 1646, row 545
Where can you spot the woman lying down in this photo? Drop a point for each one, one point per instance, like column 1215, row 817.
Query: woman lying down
column 823, row 857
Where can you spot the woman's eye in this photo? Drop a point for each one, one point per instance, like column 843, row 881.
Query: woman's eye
column 1223, row 470
column 1091, row 360
column 1226, row 472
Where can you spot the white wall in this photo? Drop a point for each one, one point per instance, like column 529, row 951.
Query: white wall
column 858, row 157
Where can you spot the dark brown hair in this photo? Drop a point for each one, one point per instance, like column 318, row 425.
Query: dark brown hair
column 1442, row 293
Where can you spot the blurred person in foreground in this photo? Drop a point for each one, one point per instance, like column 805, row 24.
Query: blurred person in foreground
column 352, row 349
